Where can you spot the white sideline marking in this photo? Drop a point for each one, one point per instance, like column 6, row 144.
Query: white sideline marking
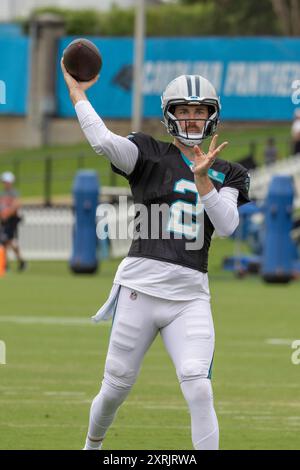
column 130, row 426
column 63, row 321
column 283, row 426
column 279, row 341
column 65, row 394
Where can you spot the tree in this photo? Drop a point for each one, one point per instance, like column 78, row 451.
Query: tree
column 246, row 17
column 288, row 14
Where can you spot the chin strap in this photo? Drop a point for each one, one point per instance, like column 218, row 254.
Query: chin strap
column 189, row 143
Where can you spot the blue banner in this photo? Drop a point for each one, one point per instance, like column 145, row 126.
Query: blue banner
column 14, row 75
column 10, row 29
column 255, row 78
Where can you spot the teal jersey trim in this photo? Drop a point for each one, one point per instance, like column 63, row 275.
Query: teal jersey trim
column 186, row 160
column 213, row 174
column 216, row 175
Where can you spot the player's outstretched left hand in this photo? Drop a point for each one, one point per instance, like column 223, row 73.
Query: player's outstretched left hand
column 203, row 161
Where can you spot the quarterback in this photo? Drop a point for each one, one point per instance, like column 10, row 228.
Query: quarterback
column 162, row 285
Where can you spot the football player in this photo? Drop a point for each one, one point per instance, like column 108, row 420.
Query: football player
column 162, row 285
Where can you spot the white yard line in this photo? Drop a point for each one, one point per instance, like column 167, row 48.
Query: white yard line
column 279, row 341
column 63, row 321
column 133, row 426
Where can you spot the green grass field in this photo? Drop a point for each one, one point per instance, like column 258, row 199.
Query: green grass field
column 55, row 361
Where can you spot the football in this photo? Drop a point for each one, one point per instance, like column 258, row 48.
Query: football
column 82, row 60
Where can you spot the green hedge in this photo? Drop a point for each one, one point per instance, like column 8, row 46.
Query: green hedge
column 202, row 19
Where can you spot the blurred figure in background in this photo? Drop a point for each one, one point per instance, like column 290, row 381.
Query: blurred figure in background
column 270, row 151
column 295, row 132
column 9, row 217
column 249, row 160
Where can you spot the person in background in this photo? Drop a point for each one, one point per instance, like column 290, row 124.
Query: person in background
column 295, row 132
column 270, row 152
column 9, row 217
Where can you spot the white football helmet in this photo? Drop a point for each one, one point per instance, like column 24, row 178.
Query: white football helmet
column 190, row 90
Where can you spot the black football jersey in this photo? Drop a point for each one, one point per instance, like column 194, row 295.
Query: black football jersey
column 162, row 178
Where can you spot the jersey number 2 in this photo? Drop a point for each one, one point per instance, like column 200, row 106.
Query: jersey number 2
column 181, row 210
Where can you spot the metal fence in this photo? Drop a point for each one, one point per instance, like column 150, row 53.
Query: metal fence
column 43, row 177
column 262, row 176
column 46, row 234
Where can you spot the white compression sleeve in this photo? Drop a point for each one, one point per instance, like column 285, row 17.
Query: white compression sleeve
column 222, row 211
column 119, row 150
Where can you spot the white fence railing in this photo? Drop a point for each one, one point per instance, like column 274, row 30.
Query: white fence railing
column 46, row 234
column 262, row 176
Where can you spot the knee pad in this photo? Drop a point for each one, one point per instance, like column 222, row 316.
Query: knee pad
column 118, row 374
column 192, row 369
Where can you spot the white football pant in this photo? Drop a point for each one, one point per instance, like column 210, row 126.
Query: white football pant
column 187, row 330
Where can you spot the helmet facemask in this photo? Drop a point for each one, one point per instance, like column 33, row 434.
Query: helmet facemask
column 178, row 127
